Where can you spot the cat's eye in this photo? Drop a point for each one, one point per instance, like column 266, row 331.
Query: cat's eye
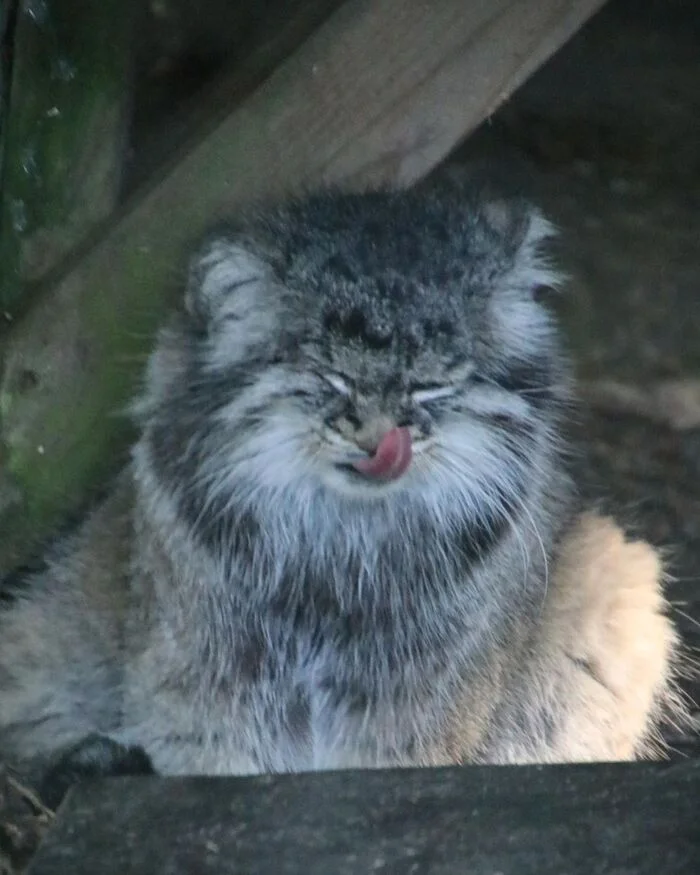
column 340, row 386
column 432, row 393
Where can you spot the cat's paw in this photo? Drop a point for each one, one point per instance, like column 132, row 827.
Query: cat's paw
column 609, row 619
column 95, row 756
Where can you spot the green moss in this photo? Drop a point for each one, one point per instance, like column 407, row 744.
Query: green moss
column 63, row 137
column 70, row 431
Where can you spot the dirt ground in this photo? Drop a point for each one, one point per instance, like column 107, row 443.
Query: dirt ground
column 607, row 136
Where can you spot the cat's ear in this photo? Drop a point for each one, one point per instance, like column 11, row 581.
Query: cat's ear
column 522, row 326
column 526, row 233
column 225, row 278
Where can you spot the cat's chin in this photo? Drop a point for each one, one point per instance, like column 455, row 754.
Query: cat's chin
column 348, row 481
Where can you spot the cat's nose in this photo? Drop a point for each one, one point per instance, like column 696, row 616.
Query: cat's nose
column 369, row 436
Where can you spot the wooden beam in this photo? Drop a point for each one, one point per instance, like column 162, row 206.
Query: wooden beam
column 258, row 39
column 378, row 94
column 624, row 819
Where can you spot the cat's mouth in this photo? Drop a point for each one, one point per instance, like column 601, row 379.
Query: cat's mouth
column 390, row 460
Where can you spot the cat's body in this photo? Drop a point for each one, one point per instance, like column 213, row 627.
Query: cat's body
column 333, row 545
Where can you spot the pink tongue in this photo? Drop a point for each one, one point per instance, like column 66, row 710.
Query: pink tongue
column 391, row 458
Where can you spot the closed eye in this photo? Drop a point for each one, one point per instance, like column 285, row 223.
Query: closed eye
column 340, row 386
column 433, row 393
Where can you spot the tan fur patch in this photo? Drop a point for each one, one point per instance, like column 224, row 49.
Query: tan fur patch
column 608, row 617
column 600, row 665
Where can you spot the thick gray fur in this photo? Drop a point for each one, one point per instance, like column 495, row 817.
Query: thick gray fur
column 243, row 602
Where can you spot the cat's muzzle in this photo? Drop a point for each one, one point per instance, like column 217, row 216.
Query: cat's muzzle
column 391, row 458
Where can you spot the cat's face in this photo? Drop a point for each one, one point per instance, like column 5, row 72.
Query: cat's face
column 369, row 346
column 376, row 406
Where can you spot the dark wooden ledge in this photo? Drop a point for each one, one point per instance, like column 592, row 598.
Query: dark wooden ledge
column 555, row 820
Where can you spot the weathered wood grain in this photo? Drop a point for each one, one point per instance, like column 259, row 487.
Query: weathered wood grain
column 378, row 94
column 624, row 819
column 255, row 38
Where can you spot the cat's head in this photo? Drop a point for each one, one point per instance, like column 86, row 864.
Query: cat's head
column 366, row 345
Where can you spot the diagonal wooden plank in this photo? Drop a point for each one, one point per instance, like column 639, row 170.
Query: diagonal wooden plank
column 619, row 819
column 379, row 93
column 257, row 38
